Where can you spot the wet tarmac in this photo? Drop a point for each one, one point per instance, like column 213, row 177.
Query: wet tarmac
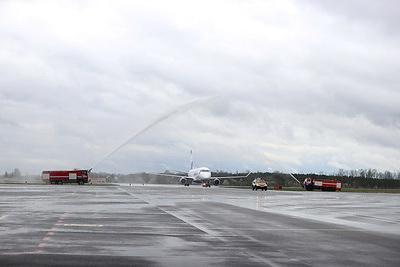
column 148, row 225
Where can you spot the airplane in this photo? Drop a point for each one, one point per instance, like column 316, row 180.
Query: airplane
column 199, row 175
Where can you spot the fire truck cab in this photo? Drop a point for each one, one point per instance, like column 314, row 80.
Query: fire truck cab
column 60, row 177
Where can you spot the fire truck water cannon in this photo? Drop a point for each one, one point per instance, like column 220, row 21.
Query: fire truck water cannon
column 82, row 176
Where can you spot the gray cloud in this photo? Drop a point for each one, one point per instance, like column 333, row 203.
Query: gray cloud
column 304, row 86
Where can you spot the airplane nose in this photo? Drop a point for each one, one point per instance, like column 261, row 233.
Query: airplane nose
column 204, row 175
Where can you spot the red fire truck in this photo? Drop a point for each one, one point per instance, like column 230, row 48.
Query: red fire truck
column 324, row 185
column 60, row 177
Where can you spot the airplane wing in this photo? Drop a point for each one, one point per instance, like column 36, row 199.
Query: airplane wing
column 232, row 177
column 186, row 180
column 181, row 172
column 170, row 175
column 183, row 178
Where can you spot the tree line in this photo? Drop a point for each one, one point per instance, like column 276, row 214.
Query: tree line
column 368, row 173
column 362, row 178
column 368, row 179
column 16, row 173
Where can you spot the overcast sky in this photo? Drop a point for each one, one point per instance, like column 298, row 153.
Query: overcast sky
column 290, row 86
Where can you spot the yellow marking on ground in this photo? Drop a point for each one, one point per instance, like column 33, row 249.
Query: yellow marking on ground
column 2, row 217
column 82, row 225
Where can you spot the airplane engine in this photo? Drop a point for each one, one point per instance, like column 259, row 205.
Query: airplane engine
column 216, row 181
column 182, row 180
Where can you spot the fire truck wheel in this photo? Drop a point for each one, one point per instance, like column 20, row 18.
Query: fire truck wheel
column 60, row 182
column 81, row 182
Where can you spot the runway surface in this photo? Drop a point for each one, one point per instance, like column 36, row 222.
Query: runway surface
column 149, row 225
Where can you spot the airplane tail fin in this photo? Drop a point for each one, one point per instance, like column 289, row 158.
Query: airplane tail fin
column 191, row 159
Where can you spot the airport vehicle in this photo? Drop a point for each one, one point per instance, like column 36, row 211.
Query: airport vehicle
column 324, row 185
column 200, row 175
column 60, row 177
column 259, row 183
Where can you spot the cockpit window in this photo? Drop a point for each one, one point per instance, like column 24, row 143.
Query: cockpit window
column 204, row 171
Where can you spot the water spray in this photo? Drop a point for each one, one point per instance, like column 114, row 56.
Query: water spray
column 291, row 175
column 179, row 110
column 294, row 178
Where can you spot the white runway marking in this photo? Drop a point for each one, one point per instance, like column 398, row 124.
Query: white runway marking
column 82, row 225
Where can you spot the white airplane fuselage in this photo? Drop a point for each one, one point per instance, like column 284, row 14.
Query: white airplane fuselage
column 199, row 174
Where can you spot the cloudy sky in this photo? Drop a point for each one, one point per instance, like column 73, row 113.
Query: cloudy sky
column 290, row 86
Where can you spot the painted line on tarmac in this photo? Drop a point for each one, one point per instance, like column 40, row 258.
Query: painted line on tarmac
column 40, row 245
column 376, row 219
column 225, row 228
column 50, row 233
column 82, row 225
column 21, row 253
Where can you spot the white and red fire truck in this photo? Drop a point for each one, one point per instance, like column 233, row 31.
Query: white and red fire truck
column 60, row 177
column 324, row 185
